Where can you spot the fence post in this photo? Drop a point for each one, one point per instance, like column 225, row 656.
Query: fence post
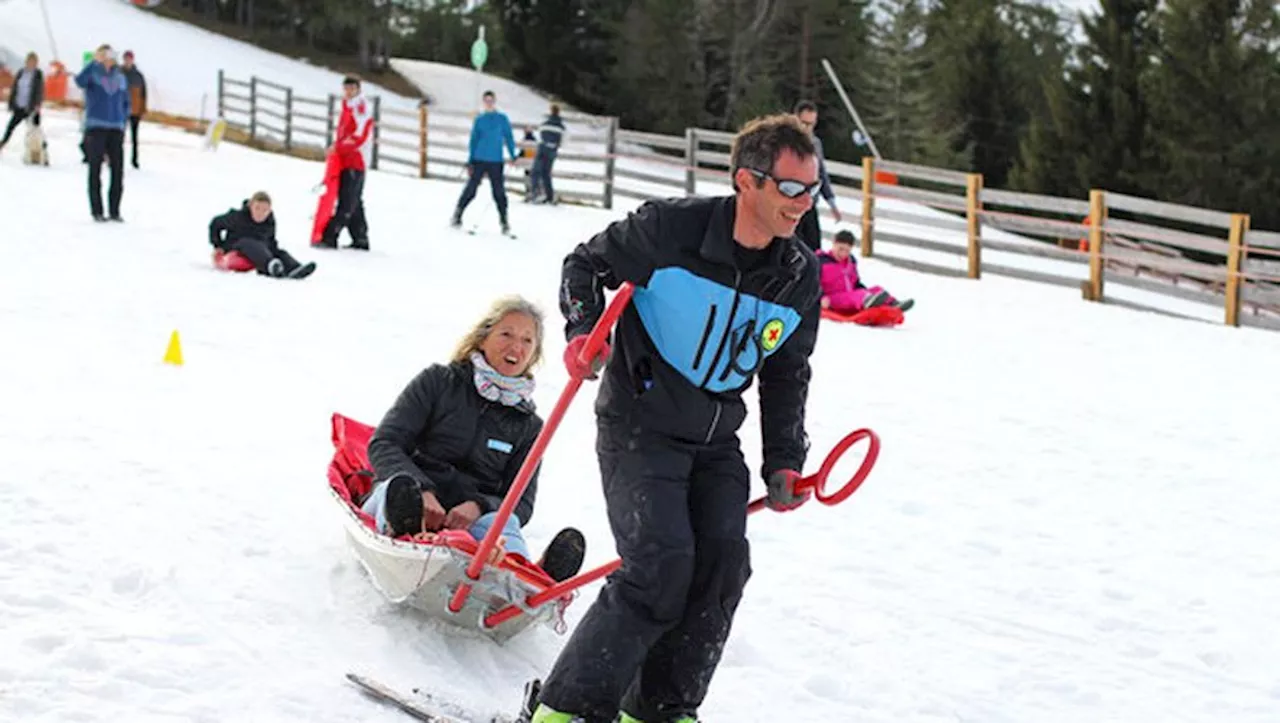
column 610, row 149
column 252, row 108
column 1097, row 217
column 973, row 204
column 328, row 126
column 422, row 139
column 690, row 161
column 1236, row 253
column 868, row 202
column 221, row 90
column 288, row 118
column 377, row 134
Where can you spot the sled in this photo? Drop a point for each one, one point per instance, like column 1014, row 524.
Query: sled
column 231, row 261
column 422, row 573
column 328, row 203
column 875, row 316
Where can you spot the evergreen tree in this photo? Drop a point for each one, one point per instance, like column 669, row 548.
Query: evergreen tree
column 898, row 107
column 658, row 83
column 1213, row 93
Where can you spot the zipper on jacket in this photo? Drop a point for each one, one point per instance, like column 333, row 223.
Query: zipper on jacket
column 715, row 420
column 706, row 334
column 728, row 327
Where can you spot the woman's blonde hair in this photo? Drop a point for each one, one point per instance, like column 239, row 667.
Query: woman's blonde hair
column 497, row 312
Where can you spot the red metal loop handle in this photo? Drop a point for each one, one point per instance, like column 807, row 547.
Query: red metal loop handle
column 818, row 481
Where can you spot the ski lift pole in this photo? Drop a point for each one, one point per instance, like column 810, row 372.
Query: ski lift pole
column 815, row 483
column 531, row 461
column 849, row 104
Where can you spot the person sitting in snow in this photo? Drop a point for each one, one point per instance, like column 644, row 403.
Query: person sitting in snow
column 251, row 231
column 842, row 289
column 450, row 447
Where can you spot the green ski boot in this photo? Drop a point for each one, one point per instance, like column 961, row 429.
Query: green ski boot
column 544, row 714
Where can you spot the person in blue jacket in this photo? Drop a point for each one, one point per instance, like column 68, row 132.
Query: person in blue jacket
column 106, row 114
column 489, row 133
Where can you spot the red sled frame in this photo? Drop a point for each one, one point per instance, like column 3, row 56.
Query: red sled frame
column 815, row 483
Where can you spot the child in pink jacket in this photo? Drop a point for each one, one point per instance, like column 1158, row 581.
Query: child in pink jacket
column 842, row 290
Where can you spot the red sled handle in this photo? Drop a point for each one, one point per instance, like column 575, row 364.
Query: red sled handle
column 590, row 349
column 816, row 482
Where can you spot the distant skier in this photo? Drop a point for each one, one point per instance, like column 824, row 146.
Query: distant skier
column 550, row 136
column 810, row 231
column 251, row 231
column 353, row 146
column 490, row 132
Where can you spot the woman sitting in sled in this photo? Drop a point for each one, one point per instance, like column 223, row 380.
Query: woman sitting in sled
column 842, row 289
column 449, row 448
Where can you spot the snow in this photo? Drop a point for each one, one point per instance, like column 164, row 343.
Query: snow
column 1072, row 518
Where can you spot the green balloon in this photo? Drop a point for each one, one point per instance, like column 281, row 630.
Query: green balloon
column 479, row 53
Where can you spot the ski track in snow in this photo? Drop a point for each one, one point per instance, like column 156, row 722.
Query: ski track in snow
column 1073, row 516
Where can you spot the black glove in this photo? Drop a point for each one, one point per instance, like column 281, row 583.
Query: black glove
column 782, row 491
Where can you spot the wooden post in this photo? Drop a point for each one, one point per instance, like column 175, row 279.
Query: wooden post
column 377, row 135
column 868, row 202
column 1097, row 217
column 610, row 151
column 690, row 161
column 288, row 118
column 1236, row 252
column 253, row 107
column 328, row 116
column 221, row 92
column 973, row 204
column 422, row 139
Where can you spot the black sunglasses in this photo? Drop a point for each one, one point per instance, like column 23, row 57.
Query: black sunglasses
column 788, row 187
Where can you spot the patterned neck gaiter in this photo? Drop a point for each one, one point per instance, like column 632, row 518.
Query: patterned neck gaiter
column 509, row 391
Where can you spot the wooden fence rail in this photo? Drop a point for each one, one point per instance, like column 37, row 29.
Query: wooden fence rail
column 945, row 218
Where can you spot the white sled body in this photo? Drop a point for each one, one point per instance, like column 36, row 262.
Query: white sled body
column 425, row 575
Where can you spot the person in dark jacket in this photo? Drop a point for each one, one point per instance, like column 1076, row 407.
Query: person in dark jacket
column 724, row 293
column 810, row 230
column 448, row 450
column 251, row 231
column 26, row 95
column 106, row 112
column 137, row 99
column 550, row 136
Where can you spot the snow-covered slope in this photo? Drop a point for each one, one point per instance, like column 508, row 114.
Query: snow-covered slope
column 1040, row 541
column 180, row 61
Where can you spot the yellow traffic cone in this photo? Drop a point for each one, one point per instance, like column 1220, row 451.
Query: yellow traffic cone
column 173, row 355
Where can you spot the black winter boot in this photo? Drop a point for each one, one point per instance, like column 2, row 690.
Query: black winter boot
column 403, row 506
column 563, row 557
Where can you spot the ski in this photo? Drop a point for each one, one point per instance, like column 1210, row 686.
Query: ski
column 475, row 230
column 413, row 707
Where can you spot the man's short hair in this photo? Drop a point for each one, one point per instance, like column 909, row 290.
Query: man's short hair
column 555, row 109
column 844, row 236
column 759, row 142
column 351, row 80
column 805, row 105
column 261, row 196
column 489, row 94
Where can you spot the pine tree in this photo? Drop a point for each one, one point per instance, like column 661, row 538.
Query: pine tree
column 898, row 106
column 658, row 83
column 1093, row 131
column 1215, row 139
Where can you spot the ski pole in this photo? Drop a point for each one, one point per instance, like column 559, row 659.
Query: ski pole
column 815, row 483
column 589, row 350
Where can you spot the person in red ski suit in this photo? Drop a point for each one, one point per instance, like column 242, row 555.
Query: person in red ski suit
column 842, row 289
column 352, row 146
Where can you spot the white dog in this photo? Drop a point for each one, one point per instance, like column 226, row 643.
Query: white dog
column 36, row 150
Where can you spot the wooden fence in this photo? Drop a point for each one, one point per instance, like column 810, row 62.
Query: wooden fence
column 945, row 221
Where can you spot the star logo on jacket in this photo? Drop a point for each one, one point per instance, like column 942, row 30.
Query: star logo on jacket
column 771, row 334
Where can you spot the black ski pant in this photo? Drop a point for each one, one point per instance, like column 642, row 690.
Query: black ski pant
column 108, row 143
column 18, row 116
column 349, row 213
column 261, row 253
column 808, row 229
column 133, row 131
column 651, row 642
column 479, row 171
column 542, row 164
